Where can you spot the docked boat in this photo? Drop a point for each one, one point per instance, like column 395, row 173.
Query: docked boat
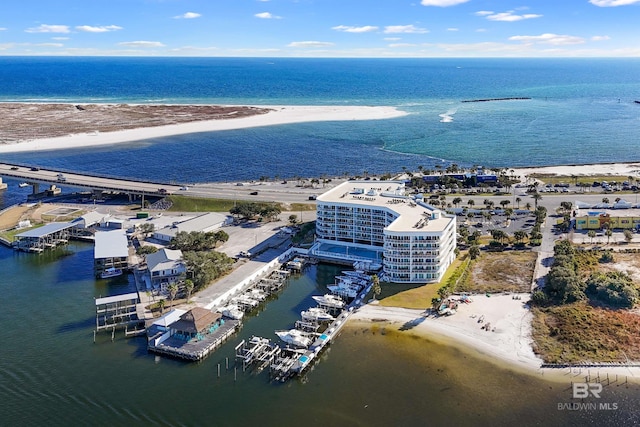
column 329, row 300
column 359, row 274
column 23, row 184
column 294, row 337
column 245, row 301
column 316, row 314
column 232, row 312
column 343, row 291
column 110, row 272
column 256, row 294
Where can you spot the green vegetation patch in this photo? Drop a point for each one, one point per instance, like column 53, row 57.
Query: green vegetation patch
column 197, row 204
column 579, row 333
column 10, row 234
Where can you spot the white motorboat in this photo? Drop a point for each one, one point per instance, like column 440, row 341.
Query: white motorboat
column 316, row 314
column 329, row 300
column 110, row 272
column 294, row 337
column 256, row 294
column 343, row 291
column 23, row 184
column 232, row 311
column 359, row 274
column 245, row 301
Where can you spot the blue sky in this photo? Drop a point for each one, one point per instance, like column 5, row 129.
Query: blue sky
column 322, row 28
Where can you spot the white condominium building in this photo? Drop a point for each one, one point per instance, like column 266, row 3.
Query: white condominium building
column 373, row 221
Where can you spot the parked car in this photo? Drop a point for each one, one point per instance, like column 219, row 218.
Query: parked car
column 312, row 197
column 254, row 193
column 14, row 168
column 34, row 169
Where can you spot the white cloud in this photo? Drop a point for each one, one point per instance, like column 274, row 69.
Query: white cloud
column 44, row 28
column 141, row 43
column 401, row 45
column 509, row 16
column 188, row 15
column 453, row 29
column 3, row 29
column 392, row 39
column 50, row 44
column 600, row 38
column 442, row 3
column 613, row 3
column 408, row 29
column 267, row 15
column 348, row 29
column 59, row 38
column 310, row 44
column 484, row 13
column 548, row 38
column 102, row 29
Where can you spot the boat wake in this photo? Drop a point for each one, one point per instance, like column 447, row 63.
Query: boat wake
column 448, row 116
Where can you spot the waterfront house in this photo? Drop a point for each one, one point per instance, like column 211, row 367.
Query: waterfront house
column 165, row 267
column 196, row 323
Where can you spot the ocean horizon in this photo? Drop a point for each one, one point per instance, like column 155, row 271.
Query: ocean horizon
column 51, row 372
column 576, row 111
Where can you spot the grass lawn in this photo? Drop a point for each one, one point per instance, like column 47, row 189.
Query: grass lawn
column 9, row 235
column 420, row 297
column 510, row 271
column 567, row 179
column 197, row 204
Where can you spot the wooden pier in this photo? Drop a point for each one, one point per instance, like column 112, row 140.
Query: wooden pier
column 196, row 349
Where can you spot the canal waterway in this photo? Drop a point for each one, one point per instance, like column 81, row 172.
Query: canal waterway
column 52, row 373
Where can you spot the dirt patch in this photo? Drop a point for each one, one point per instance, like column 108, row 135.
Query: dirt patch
column 626, row 263
column 11, row 217
column 502, row 272
column 22, row 122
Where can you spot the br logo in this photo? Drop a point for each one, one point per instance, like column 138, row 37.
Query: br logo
column 583, row 390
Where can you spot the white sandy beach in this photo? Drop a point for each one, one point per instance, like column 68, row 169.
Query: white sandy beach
column 620, row 169
column 507, row 344
column 280, row 115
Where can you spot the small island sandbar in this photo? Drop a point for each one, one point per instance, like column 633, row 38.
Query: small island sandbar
column 36, row 127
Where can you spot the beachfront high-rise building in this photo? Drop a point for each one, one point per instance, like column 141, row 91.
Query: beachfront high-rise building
column 374, row 221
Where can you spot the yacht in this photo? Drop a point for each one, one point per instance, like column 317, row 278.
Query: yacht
column 294, row 337
column 316, row 314
column 232, row 311
column 329, row 300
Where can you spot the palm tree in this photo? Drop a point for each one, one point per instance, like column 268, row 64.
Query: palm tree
column 377, row 290
column 173, row 291
column 608, row 233
column 161, row 304
column 605, row 200
column 527, row 206
column 456, row 201
column 470, row 202
column 536, row 197
column 474, row 252
column 504, row 203
column 518, row 200
column 591, row 235
column 188, row 286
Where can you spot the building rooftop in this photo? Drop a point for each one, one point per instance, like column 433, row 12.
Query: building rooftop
column 164, row 259
column 413, row 214
column 52, row 227
column 111, row 244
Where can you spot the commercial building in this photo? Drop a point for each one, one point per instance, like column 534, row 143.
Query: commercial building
column 375, row 222
column 203, row 223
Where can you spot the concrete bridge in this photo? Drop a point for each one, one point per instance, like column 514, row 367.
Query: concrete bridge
column 35, row 176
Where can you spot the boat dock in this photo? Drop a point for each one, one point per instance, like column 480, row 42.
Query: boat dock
column 286, row 362
column 119, row 311
column 195, row 349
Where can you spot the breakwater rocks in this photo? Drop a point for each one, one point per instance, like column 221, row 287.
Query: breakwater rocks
column 496, row 99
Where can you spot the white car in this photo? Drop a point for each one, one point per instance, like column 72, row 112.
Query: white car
column 184, row 188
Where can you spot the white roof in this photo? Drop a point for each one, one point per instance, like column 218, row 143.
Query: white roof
column 90, row 218
column 117, row 298
column 164, row 259
column 52, row 227
column 411, row 215
column 202, row 222
column 170, row 317
column 111, row 244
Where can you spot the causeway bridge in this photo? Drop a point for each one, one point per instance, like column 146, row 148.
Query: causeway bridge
column 35, row 176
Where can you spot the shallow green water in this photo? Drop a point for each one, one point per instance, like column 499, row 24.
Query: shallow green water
column 51, row 372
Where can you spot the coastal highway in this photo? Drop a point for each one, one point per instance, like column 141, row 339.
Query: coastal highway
column 47, row 176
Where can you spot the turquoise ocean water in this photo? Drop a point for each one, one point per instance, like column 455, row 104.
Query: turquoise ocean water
column 51, row 373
